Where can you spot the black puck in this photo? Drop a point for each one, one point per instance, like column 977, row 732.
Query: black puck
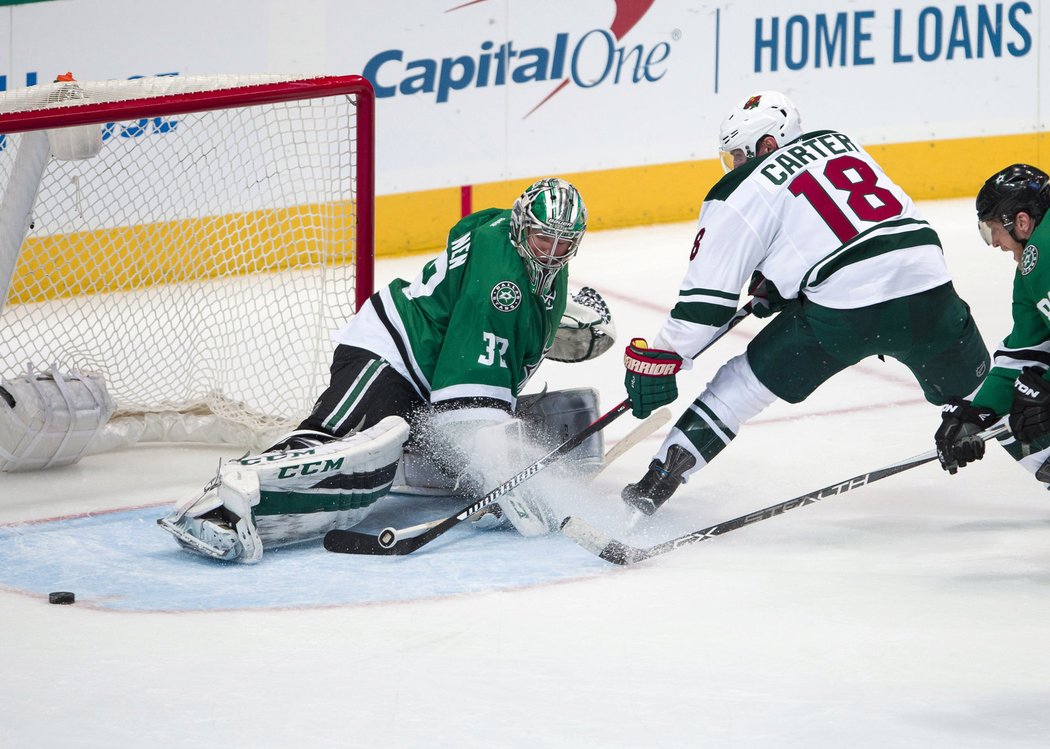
column 61, row 596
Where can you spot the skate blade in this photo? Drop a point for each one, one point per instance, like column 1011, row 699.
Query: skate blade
column 193, row 544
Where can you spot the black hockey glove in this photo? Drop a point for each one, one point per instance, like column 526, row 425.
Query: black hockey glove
column 1030, row 411
column 958, row 441
column 766, row 300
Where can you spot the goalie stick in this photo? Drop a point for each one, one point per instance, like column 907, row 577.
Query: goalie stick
column 353, row 542
column 618, row 552
column 391, row 541
column 655, row 421
column 394, row 541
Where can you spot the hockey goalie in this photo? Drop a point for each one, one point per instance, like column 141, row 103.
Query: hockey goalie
column 425, row 390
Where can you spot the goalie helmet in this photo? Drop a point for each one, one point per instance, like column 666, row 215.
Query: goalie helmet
column 547, row 223
column 764, row 113
column 1016, row 188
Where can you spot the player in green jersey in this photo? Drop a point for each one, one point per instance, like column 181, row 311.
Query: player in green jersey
column 440, row 360
column 1010, row 210
column 827, row 238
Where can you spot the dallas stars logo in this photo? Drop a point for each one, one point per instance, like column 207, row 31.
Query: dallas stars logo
column 506, row 296
column 1029, row 258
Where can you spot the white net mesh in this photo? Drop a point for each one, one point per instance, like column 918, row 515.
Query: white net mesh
column 198, row 262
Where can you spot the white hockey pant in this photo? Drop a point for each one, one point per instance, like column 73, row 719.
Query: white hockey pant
column 731, row 399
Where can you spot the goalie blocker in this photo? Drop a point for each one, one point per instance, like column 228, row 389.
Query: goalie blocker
column 544, row 419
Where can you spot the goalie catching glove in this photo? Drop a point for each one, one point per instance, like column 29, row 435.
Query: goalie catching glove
column 586, row 329
column 650, row 378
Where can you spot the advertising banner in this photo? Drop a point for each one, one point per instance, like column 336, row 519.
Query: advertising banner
column 630, row 93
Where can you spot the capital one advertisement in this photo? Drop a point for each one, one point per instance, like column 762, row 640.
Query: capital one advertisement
column 489, row 90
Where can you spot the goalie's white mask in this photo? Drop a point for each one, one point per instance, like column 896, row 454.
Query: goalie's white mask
column 547, row 223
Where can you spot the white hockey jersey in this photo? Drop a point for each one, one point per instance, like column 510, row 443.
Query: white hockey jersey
column 817, row 217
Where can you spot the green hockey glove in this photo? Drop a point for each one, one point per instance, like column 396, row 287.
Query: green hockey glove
column 650, row 377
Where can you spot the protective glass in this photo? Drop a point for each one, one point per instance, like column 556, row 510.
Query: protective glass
column 985, row 230
column 732, row 159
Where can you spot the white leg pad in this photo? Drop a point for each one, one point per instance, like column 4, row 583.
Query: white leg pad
column 48, row 418
column 288, row 496
column 529, row 513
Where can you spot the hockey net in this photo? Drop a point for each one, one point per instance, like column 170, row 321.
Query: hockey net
column 193, row 240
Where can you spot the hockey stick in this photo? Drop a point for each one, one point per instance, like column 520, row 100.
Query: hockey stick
column 394, row 541
column 618, row 552
column 655, row 421
column 354, row 542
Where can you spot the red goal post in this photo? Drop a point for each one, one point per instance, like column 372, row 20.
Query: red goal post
column 193, row 240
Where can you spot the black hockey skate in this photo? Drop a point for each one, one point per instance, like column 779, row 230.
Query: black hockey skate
column 659, row 482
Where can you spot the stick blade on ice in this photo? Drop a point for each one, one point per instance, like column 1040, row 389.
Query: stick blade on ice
column 595, row 541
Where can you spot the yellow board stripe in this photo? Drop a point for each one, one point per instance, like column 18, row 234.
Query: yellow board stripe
column 137, row 257
column 660, row 193
column 140, row 256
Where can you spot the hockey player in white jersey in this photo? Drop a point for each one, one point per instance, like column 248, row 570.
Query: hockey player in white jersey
column 822, row 238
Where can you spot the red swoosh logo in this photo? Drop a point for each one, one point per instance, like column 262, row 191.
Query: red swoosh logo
column 628, row 14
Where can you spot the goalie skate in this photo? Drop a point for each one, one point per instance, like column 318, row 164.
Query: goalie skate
column 203, row 536
column 218, row 523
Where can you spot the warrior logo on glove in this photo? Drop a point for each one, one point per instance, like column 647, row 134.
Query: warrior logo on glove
column 651, row 367
column 649, row 379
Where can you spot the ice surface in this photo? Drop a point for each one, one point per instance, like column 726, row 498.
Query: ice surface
column 910, row 613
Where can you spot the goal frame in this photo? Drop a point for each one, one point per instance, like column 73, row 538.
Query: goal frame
column 240, row 420
column 96, row 113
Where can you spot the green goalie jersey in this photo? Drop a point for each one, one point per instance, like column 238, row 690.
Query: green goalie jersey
column 1028, row 344
column 468, row 331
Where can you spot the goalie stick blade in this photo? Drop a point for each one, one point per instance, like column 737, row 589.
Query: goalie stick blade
column 598, row 543
column 352, row 542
